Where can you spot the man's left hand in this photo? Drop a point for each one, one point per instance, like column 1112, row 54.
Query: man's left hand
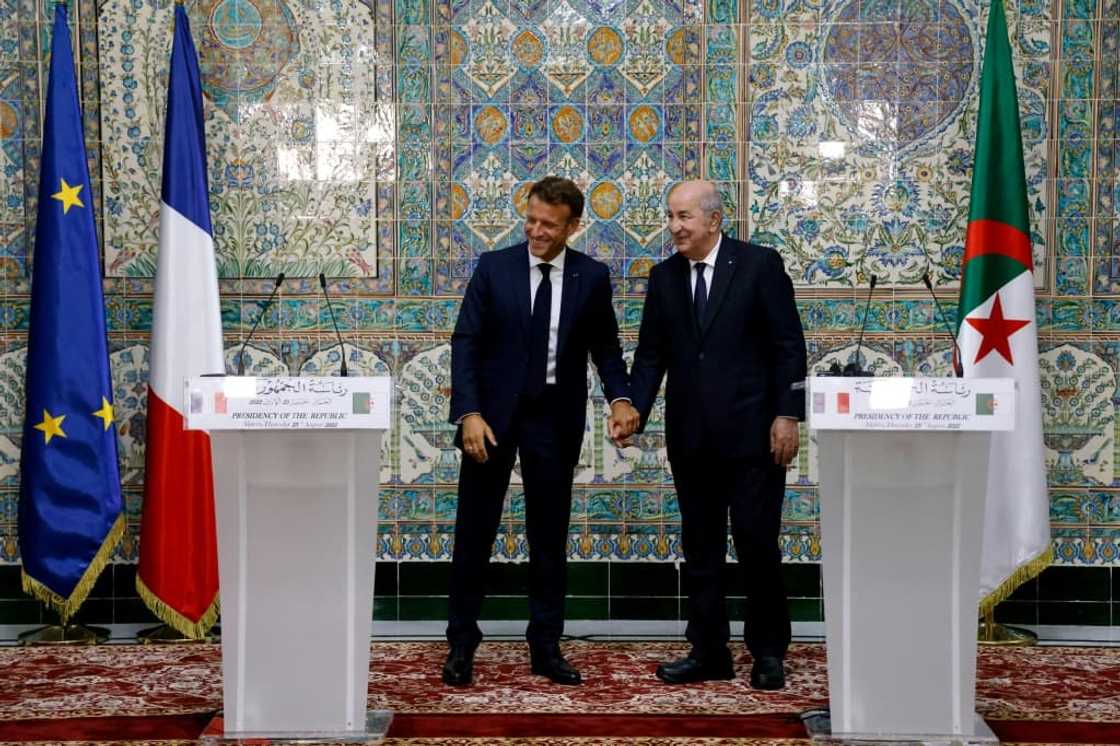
column 784, row 440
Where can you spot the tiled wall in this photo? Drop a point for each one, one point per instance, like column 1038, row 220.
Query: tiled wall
column 390, row 143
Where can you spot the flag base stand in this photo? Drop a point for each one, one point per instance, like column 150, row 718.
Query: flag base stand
column 993, row 633
column 163, row 634
column 65, row 634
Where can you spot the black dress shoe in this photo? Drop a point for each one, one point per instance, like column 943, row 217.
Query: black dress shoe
column 768, row 673
column 550, row 662
column 689, row 670
column 459, row 667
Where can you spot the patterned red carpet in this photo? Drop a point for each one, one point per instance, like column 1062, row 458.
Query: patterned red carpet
column 163, row 693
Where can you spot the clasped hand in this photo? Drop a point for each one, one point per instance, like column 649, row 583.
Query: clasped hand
column 622, row 422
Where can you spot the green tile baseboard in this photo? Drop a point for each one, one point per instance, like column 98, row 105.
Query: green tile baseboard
column 1017, row 612
column 1075, row 584
column 1090, row 613
column 406, row 591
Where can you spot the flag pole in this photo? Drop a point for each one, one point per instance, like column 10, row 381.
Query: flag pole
column 62, row 560
column 163, row 633
column 177, row 573
column 997, row 276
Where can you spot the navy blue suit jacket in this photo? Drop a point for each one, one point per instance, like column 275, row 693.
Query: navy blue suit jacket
column 730, row 374
column 490, row 344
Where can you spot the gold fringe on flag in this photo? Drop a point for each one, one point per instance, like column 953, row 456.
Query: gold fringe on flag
column 189, row 628
column 1022, row 573
column 67, row 607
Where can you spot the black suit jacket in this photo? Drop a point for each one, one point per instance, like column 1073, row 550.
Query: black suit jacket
column 730, row 374
column 490, row 345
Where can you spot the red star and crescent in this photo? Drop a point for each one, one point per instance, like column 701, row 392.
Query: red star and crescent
column 996, row 332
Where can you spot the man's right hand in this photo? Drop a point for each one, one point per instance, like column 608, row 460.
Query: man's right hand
column 475, row 434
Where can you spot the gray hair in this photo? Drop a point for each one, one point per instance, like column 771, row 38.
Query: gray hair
column 710, row 200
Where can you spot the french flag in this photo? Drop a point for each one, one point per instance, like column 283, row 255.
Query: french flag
column 178, row 572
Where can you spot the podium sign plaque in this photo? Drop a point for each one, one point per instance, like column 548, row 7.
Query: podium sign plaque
column 296, row 467
column 976, row 404
column 903, row 477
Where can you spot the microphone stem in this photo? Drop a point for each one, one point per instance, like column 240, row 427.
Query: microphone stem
column 863, row 326
column 338, row 335
column 341, row 346
column 957, row 365
column 267, row 303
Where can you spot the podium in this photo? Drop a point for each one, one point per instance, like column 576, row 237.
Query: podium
column 296, row 467
column 903, row 476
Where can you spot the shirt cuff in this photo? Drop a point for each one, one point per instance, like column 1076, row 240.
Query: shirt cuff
column 626, row 399
column 468, row 414
column 779, row 417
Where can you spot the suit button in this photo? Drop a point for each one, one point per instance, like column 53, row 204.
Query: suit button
column 701, row 355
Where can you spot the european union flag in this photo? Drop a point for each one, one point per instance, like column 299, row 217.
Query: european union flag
column 70, row 516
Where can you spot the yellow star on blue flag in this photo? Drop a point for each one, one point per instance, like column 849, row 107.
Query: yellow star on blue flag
column 51, row 426
column 68, row 196
column 105, row 413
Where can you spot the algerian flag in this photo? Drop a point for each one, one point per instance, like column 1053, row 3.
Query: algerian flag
column 996, row 329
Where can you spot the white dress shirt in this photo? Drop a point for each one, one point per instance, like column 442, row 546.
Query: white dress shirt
column 556, row 277
column 710, row 272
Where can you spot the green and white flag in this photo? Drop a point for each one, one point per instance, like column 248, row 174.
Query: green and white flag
column 996, row 328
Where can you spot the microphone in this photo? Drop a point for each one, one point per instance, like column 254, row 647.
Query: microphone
column 958, row 367
column 267, row 303
column 853, row 368
column 330, row 307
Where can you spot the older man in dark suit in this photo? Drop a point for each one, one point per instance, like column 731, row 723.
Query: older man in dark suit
column 532, row 315
column 720, row 319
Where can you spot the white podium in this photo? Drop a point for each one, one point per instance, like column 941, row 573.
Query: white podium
column 903, row 475
column 296, row 467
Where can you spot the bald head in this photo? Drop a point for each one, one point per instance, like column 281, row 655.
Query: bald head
column 695, row 213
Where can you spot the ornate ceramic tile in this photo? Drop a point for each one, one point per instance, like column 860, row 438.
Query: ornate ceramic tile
column 12, row 373
column 292, row 135
column 1079, row 416
column 861, row 139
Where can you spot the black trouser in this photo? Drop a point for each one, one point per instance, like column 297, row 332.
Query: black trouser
column 707, row 490
column 547, row 478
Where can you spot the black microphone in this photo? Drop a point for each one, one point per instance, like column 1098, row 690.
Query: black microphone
column 853, row 368
column 341, row 347
column 958, row 367
column 267, row 303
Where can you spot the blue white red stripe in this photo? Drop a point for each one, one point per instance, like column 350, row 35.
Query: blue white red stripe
column 178, row 572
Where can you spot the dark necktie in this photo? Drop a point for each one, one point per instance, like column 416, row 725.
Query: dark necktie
column 700, row 294
column 538, row 333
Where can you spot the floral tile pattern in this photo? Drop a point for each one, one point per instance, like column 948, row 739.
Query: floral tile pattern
column 292, row 136
column 861, row 137
column 388, row 143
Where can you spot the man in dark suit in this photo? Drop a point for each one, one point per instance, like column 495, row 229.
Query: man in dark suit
column 531, row 316
column 720, row 318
